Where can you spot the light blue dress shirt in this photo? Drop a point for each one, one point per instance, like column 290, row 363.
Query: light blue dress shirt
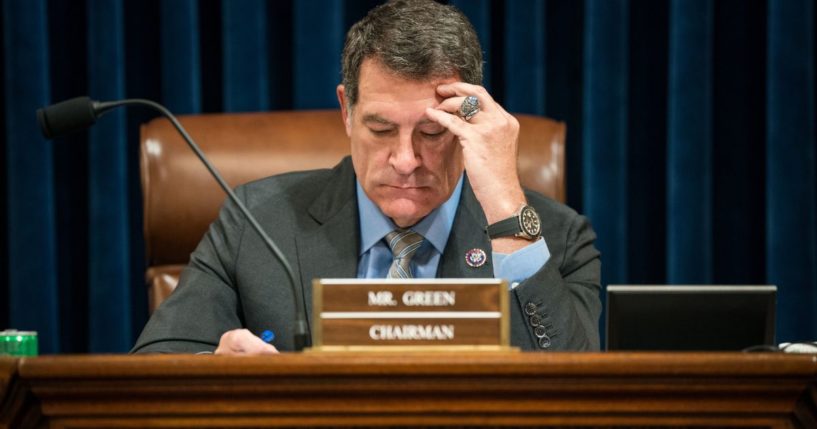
column 375, row 256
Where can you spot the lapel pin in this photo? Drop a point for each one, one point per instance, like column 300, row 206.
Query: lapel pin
column 475, row 258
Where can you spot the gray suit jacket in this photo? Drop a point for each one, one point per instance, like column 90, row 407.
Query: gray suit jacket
column 233, row 281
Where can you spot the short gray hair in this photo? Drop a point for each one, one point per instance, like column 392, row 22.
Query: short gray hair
column 416, row 39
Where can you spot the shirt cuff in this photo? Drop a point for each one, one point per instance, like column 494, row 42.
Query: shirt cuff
column 525, row 262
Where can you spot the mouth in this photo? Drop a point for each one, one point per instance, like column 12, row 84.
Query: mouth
column 405, row 190
column 405, row 186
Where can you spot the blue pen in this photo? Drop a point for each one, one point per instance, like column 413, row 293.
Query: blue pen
column 267, row 336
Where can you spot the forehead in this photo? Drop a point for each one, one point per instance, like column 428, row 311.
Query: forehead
column 380, row 86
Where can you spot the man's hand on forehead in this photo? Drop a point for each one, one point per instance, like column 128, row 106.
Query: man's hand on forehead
column 489, row 145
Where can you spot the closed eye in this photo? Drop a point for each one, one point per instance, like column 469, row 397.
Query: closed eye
column 433, row 135
column 382, row 132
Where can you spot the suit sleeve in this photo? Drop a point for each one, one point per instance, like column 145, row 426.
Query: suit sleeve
column 205, row 304
column 559, row 305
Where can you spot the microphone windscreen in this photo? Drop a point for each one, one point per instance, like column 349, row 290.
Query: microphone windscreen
column 66, row 117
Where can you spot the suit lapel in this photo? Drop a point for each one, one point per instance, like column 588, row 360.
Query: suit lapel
column 330, row 250
column 467, row 233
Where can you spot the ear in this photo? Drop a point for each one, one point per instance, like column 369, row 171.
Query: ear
column 344, row 109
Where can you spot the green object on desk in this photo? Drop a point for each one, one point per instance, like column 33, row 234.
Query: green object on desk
column 18, row 343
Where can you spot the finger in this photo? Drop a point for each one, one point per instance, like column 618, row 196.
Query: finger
column 255, row 346
column 258, row 347
column 229, row 344
column 462, row 89
column 453, row 123
column 454, row 103
column 242, row 341
column 454, row 106
column 451, row 105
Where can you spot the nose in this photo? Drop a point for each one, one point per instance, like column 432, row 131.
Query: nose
column 404, row 157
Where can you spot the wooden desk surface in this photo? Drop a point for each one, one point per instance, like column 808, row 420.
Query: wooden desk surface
column 462, row 389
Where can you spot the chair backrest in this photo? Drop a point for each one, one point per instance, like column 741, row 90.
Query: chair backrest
column 181, row 199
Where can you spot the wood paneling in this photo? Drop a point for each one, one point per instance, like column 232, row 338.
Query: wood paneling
column 462, row 389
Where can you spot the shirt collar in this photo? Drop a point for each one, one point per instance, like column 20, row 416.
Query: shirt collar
column 436, row 227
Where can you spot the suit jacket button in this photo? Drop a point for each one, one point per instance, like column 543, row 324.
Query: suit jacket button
column 540, row 332
column 544, row 342
column 530, row 309
column 535, row 320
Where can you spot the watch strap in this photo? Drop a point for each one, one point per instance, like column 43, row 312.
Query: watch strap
column 505, row 228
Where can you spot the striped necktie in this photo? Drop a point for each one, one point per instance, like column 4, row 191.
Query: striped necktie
column 404, row 244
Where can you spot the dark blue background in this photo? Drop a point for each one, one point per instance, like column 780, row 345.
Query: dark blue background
column 691, row 134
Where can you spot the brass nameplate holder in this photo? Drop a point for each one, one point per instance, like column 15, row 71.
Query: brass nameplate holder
column 411, row 314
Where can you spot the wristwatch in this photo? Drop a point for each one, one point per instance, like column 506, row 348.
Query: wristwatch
column 524, row 224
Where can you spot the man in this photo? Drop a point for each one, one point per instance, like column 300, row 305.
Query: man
column 432, row 169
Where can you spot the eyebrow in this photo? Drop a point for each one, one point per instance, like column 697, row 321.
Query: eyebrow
column 373, row 117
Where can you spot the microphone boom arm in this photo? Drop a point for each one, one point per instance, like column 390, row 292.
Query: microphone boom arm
column 301, row 337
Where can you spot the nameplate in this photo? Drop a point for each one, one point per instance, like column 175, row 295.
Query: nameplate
column 380, row 314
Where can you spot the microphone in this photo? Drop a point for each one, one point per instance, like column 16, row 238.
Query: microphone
column 67, row 117
column 82, row 112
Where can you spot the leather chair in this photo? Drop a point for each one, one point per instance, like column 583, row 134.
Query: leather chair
column 181, row 199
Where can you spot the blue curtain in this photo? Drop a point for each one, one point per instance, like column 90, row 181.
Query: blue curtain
column 691, row 134
column 689, row 148
column 791, row 243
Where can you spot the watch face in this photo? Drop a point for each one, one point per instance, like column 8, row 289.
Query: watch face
column 530, row 221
